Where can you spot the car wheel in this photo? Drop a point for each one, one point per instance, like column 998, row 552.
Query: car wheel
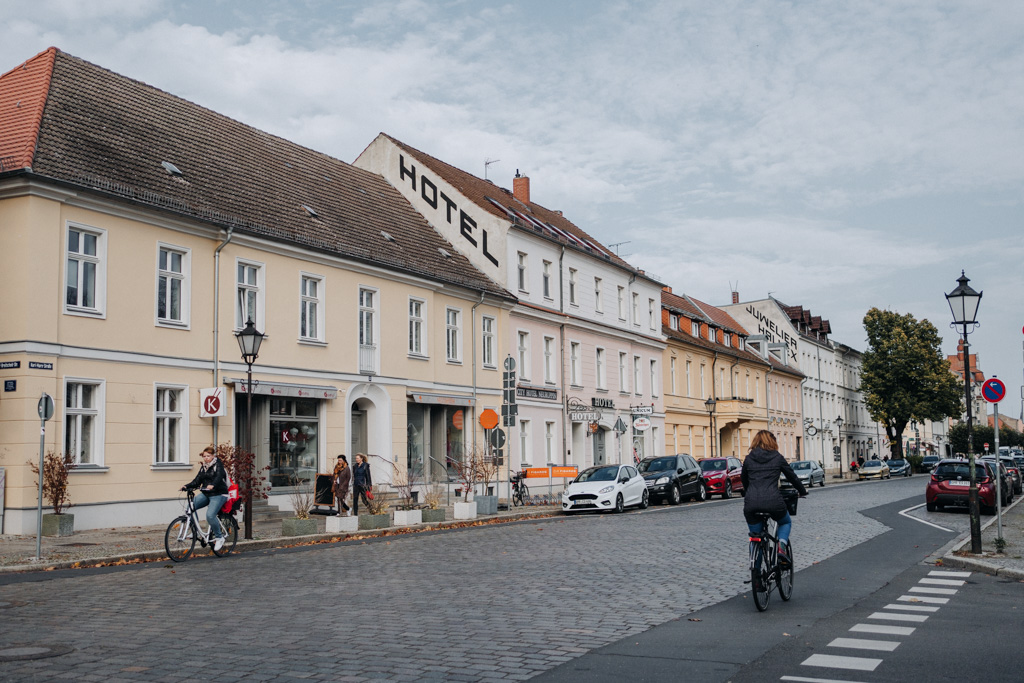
column 645, row 500
column 822, row 482
column 619, row 507
column 702, row 493
column 674, row 496
column 727, row 491
column 930, row 507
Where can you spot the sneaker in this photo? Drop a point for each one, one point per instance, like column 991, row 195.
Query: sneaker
column 218, row 544
column 784, row 560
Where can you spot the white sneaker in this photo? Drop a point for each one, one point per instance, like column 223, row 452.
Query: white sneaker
column 218, row 544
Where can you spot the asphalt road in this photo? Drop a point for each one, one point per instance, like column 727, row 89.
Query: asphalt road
column 555, row 598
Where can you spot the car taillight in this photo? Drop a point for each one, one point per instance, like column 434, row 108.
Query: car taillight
column 934, row 477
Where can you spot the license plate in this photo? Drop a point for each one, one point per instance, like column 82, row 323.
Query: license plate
column 959, row 483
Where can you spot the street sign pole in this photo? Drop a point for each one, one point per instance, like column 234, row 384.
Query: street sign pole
column 45, row 409
column 999, row 479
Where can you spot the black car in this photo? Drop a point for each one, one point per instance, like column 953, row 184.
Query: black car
column 671, row 478
column 899, row 468
column 928, row 462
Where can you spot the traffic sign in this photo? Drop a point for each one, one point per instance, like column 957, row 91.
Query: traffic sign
column 45, row 407
column 488, row 419
column 993, row 390
column 510, row 363
column 497, row 437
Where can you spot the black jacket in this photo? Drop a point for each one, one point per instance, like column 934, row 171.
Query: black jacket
column 760, row 475
column 214, row 474
column 361, row 476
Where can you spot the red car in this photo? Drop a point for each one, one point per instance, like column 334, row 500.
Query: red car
column 951, row 481
column 722, row 476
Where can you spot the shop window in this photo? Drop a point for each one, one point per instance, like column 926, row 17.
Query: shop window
column 294, row 443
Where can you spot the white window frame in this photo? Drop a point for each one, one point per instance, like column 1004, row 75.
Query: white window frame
column 689, row 386
column 545, row 279
column 637, row 377
column 98, row 260
column 654, row 377
column 72, row 420
column 600, row 365
column 572, row 287
column 672, row 375
column 523, row 274
column 549, row 360
column 622, row 302
column 673, row 321
column 453, row 334
column 523, row 350
column 487, row 356
column 650, row 314
column 636, row 309
column 727, row 338
column 598, row 305
column 184, row 278
column 418, row 336
column 574, row 364
column 549, row 441
column 369, row 321
column 162, row 420
column 695, row 329
column 525, row 449
column 318, row 304
column 623, row 376
column 259, row 292
column 703, row 388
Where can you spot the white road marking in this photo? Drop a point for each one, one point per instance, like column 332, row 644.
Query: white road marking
column 837, row 662
column 862, row 644
column 912, row 608
column 802, row 679
column 936, row 591
column 893, row 616
column 882, row 628
column 943, row 582
column 921, row 598
column 914, row 507
column 942, row 572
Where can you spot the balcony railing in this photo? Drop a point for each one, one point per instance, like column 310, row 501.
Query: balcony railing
column 368, row 359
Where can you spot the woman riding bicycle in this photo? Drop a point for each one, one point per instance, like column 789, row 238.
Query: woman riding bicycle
column 760, row 476
column 212, row 482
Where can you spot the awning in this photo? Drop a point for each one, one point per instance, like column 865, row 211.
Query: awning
column 441, row 399
column 262, row 387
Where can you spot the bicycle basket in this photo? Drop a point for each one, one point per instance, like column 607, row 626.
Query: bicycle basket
column 791, row 497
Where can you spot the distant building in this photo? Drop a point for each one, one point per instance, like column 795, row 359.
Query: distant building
column 978, row 407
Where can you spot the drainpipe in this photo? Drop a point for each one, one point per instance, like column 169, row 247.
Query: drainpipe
column 561, row 352
column 714, row 434
column 216, row 318
column 732, row 381
column 473, row 337
column 767, row 397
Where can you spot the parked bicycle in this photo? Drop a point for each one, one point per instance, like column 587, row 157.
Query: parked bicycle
column 766, row 572
column 182, row 533
column 520, row 494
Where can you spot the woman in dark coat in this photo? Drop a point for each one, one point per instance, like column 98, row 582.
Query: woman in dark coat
column 342, row 478
column 760, row 476
column 361, row 482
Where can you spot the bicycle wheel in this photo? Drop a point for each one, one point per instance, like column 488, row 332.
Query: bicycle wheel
column 759, row 580
column 230, row 527
column 786, row 577
column 517, row 496
column 179, row 539
column 524, row 494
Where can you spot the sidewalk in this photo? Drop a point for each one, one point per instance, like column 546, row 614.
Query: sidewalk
column 1009, row 563
column 132, row 545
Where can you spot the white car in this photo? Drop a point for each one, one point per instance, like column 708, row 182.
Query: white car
column 610, row 487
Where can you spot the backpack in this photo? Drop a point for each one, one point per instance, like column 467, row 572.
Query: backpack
column 232, row 501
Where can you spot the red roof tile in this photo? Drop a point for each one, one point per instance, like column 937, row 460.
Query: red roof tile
column 23, row 92
column 720, row 317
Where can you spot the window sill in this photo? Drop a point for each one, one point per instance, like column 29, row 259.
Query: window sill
column 578, row 387
column 601, row 390
column 85, row 312
column 157, row 466
column 452, row 361
column 490, row 367
column 313, row 342
column 88, row 469
column 418, row 356
column 172, row 325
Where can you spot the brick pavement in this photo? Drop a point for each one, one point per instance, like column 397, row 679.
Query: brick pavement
column 485, row 603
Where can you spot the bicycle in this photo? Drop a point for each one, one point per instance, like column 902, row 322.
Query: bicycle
column 520, row 494
column 183, row 532
column 766, row 573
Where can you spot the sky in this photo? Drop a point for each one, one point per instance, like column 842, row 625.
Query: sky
column 835, row 155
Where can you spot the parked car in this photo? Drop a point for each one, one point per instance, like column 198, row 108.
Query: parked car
column 929, row 462
column 672, row 478
column 950, row 485
column 608, row 487
column 1011, row 467
column 899, row 468
column 723, row 476
column 874, row 469
column 1004, row 475
column 809, row 473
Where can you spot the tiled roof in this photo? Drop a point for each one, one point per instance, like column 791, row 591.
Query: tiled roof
column 22, row 99
column 719, row 317
column 681, row 304
column 531, row 216
column 110, row 134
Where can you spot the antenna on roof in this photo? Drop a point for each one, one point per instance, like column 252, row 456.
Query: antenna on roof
column 487, row 162
column 616, row 245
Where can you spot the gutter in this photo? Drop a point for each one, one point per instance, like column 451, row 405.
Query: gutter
column 561, row 354
column 476, row 408
column 216, row 317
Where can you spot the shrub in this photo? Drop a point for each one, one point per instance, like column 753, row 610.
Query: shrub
column 55, row 480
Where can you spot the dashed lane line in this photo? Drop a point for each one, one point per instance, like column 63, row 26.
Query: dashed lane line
column 923, row 599
column 933, row 591
column 942, row 582
column 893, row 616
column 912, row 608
column 883, row 629
column 944, row 572
column 841, row 662
column 804, row 679
column 865, row 644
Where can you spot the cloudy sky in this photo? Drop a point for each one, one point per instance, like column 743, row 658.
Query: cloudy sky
column 838, row 155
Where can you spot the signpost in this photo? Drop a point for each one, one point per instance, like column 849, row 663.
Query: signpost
column 994, row 391
column 45, row 409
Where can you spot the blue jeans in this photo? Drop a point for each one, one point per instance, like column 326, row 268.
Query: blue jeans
column 785, row 525
column 215, row 503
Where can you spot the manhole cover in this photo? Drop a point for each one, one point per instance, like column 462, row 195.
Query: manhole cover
column 22, row 651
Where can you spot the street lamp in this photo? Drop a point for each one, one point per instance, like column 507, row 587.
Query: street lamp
column 839, row 429
column 249, row 340
column 710, row 405
column 963, row 302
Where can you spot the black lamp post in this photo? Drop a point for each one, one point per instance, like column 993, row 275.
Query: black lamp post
column 249, row 340
column 710, row 405
column 963, row 302
column 839, row 429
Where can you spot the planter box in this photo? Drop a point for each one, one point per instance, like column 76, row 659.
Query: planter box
column 338, row 525
column 408, row 517
column 58, row 525
column 465, row 510
column 434, row 515
column 487, row 505
column 293, row 526
column 375, row 521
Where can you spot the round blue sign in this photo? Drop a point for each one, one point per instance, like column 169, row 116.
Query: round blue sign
column 993, row 390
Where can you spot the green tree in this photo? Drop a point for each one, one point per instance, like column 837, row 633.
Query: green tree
column 904, row 375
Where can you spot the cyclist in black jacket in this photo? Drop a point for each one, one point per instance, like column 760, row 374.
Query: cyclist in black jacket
column 212, row 482
column 760, row 476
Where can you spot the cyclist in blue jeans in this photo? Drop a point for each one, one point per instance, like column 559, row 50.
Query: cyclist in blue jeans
column 760, row 476
column 212, row 482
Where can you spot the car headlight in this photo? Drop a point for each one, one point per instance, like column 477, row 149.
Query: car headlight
column 661, row 480
column 607, row 489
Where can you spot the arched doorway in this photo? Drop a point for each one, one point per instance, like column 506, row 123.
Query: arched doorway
column 369, row 419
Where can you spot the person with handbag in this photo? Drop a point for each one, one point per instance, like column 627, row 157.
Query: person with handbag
column 342, row 478
column 212, row 482
column 361, row 483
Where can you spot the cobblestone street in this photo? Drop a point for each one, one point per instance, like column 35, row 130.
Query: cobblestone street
column 489, row 603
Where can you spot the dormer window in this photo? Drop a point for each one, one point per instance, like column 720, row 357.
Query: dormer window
column 695, row 329
column 673, row 321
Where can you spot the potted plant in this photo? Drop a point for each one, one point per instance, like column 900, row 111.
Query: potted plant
column 433, row 512
column 487, row 472
column 467, row 472
column 302, row 502
column 407, row 512
column 378, row 516
column 55, row 489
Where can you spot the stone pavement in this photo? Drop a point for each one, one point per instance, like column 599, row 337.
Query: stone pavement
column 1009, row 562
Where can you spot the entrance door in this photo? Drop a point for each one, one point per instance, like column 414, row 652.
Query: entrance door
column 358, row 433
column 599, row 456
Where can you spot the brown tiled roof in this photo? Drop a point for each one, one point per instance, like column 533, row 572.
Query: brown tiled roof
column 109, row 134
column 500, row 202
column 719, row 317
column 22, row 98
column 680, row 304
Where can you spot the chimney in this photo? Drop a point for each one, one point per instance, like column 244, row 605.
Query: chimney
column 735, row 297
column 521, row 188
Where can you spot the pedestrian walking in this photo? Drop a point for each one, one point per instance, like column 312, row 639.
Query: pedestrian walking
column 340, row 484
column 361, row 483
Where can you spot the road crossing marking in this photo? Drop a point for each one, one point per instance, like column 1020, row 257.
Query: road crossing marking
column 840, row 662
column 881, row 628
column 864, row 644
column 921, row 598
column 912, row 608
column 936, row 591
column 914, row 507
column 943, row 582
column 893, row 616
column 941, row 572
column 803, row 679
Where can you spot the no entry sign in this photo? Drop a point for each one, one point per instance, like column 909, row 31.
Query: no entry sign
column 993, row 390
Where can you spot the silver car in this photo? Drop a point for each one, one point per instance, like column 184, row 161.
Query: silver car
column 808, row 472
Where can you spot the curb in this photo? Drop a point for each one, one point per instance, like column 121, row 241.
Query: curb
column 987, row 565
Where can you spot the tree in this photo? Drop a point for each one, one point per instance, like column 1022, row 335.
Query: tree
column 904, row 375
